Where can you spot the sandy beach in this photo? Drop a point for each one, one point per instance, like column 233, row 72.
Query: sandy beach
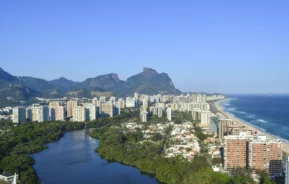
column 249, row 126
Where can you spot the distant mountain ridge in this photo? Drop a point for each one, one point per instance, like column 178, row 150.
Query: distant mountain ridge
column 149, row 81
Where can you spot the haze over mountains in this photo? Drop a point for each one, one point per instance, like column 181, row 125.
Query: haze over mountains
column 149, row 81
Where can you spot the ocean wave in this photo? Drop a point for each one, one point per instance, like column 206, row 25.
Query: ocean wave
column 241, row 112
column 231, row 109
column 285, row 128
column 252, row 116
column 226, row 104
column 262, row 121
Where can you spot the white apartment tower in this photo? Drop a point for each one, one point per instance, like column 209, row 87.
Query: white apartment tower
column 205, row 118
column 91, row 112
column 19, row 114
column 95, row 101
column 43, row 113
column 160, row 112
column 130, row 102
column 79, row 114
column 169, row 114
column 144, row 116
column 121, row 103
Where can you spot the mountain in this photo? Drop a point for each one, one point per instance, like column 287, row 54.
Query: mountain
column 148, row 82
column 37, row 84
column 6, row 79
column 88, row 93
column 64, row 83
column 14, row 93
column 106, row 82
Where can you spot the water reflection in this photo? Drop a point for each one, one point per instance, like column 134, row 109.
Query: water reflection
column 72, row 160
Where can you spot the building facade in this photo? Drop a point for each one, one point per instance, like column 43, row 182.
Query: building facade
column 79, row 114
column 235, row 153
column 265, row 155
column 19, row 114
column 169, row 114
column 70, row 107
column 130, row 102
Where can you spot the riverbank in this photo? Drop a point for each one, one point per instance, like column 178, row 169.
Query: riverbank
column 248, row 125
column 73, row 156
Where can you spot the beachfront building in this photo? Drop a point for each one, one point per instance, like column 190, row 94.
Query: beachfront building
column 19, row 114
column 287, row 170
column 265, row 155
column 223, row 128
column 235, row 152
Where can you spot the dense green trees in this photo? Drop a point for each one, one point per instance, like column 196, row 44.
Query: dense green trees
column 129, row 148
column 17, row 142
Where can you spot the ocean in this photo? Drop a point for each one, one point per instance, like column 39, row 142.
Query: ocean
column 270, row 113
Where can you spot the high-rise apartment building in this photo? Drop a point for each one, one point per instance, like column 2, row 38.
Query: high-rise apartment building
column 59, row 113
column 95, row 101
column 38, row 113
column 145, row 102
column 112, row 100
column 91, row 112
column 79, row 114
column 196, row 114
column 54, row 104
column 116, row 109
column 70, row 107
column 265, row 155
column 223, row 128
column 130, row 102
column 102, row 100
column 43, row 113
column 235, row 153
column 107, row 109
column 52, row 113
column 205, row 119
column 160, row 112
column 136, row 95
column 287, row 170
column 19, row 114
column 121, row 103
column 144, row 116
column 169, row 114
column 29, row 115
column 155, row 111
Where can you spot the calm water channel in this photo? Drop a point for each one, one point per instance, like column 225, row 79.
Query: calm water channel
column 72, row 160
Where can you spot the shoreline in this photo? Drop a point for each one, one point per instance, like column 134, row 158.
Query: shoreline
column 250, row 126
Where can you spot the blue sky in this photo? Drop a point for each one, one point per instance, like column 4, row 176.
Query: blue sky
column 211, row 46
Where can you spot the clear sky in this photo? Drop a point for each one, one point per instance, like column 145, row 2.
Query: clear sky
column 212, row 46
